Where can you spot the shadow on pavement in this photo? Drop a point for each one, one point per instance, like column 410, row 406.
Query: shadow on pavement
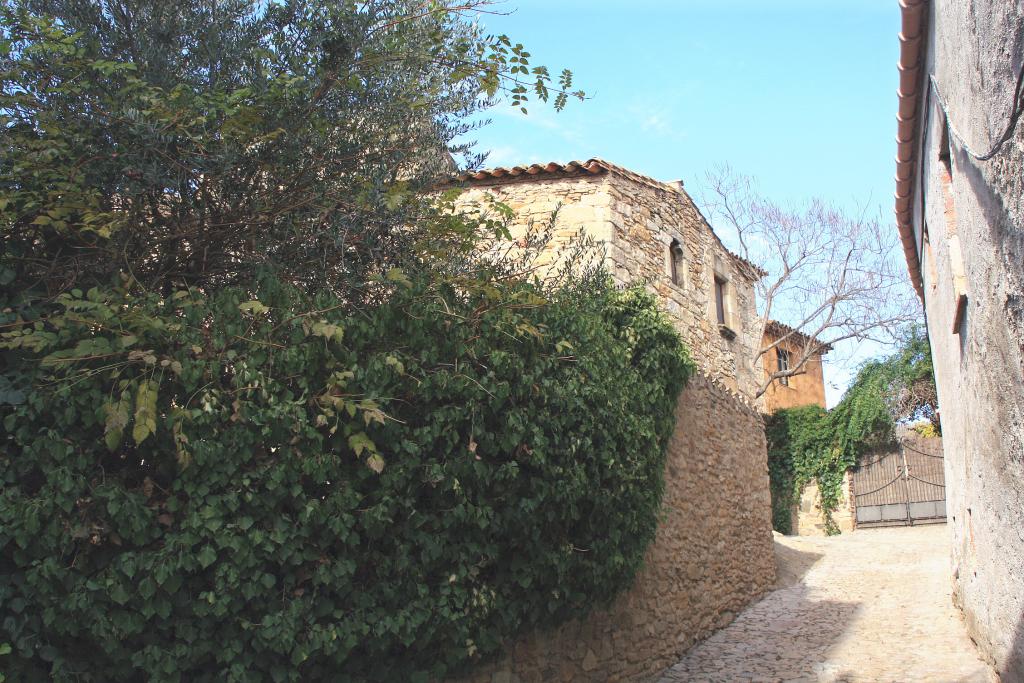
column 1013, row 668
column 784, row 637
column 794, row 557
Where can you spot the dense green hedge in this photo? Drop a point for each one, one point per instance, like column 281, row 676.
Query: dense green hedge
column 253, row 486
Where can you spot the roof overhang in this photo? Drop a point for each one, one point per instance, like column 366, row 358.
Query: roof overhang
column 591, row 167
column 784, row 331
column 908, row 121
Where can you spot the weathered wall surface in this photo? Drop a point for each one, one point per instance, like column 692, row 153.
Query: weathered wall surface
column 804, row 389
column 808, row 520
column 635, row 220
column 645, row 220
column 582, row 202
column 712, row 555
column 976, row 52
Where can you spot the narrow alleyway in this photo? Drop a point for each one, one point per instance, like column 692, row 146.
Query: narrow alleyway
column 871, row 606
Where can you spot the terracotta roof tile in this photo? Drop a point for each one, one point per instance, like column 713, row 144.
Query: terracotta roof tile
column 912, row 51
column 782, row 329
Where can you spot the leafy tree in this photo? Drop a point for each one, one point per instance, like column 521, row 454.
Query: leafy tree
column 910, row 392
column 266, row 412
column 193, row 143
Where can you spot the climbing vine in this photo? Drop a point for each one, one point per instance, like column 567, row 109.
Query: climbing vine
column 811, row 444
column 257, row 485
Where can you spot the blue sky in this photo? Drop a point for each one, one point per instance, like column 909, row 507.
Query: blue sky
column 799, row 94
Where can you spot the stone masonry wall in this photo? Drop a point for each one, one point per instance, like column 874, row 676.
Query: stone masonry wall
column 974, row 212
column 582, row 203
column 634, row 223
column 711, row 557
column 808, row 520
column 646, row 218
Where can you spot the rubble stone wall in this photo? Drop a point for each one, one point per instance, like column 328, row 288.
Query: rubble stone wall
column 808, row 519
column 713, row 555
column 634, row 223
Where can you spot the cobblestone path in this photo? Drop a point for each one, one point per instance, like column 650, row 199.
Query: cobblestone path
column 871, row 606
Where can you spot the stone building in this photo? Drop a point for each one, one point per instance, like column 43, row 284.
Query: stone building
column 713, row 551
column 960, row 212
column 651, row 232
column 803, row 389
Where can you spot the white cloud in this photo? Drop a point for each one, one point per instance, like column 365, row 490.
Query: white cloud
column 656, row 120
column 508, row 155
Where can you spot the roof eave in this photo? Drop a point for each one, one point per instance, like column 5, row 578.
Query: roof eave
column 912, row 54
column 783, row 330
column 593, row 166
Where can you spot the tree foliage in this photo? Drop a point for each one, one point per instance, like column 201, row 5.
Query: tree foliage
column 255, row 485
column 194, row 143
column 810, row 444
column 267, row 412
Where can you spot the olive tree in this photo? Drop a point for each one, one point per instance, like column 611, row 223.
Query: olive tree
column 197, row 143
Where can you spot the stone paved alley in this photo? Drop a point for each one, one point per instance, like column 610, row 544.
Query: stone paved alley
column 871, row 606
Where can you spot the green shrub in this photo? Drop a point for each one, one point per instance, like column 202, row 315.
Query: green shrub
column 808, row 443
column 253, row 485
column 797, row 437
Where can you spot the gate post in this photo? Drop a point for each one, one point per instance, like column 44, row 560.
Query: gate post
column 906, row 483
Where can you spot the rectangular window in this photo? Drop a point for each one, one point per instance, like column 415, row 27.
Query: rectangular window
column 783, row 356
column 720, row 299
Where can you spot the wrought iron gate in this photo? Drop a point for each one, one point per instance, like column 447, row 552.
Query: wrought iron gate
column 902, row 487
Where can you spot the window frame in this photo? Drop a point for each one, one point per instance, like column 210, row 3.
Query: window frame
column 720, row 284
column 677, row 262
column 782, row 364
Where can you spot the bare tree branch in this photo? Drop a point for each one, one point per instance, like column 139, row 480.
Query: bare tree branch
column 832, row 276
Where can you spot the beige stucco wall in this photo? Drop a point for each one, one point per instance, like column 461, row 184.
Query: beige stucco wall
column 634, row 222
column 712, row 555
column 807, row 388
column 808, row 519
column 976, row 51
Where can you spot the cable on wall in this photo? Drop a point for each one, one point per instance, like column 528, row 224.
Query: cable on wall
column 1018, row 109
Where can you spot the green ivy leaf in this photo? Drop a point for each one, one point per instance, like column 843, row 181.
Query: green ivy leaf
column 254, row 307
column 360, row 442
column 145, row 411
column 118, row 415
column 118, row 594
column 207, row 556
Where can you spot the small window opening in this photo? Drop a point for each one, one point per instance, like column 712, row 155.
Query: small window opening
column 720, row 299
column 677, row 262
column 783, row 362
column 944, row 153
